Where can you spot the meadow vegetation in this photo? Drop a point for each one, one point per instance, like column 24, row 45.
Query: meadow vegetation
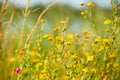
column 27, row 52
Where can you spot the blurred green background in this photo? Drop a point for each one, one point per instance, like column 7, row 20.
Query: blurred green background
column 60, row 11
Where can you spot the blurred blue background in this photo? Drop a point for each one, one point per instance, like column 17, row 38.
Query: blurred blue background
column 73, row 3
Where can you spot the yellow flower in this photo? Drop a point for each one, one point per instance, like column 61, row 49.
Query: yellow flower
column 97, row 40
column 108, row 21
column 65, row 77
column 70, row 36
column 46, row 35
column 21, row 52
column 12, row 59
column 66, row 55
column 87, row 54
column 106, row 41
column 94, row 70
column 50, row 38
column 75, row 79
column 85, row 70
column 43, row 74
column 112, row 56
column 62, row 22
column 91, row 4
column 86, row 34
column 43, row 20
column 32, row 53
column 68, row 43
column 82, row 13
column 59, row 39
column 107, row 30
column 56, row 28
column 90, row 58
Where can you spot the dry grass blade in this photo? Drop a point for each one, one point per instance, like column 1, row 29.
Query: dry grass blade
column 37, row 23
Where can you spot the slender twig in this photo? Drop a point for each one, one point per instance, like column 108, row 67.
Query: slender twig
column 37, row 23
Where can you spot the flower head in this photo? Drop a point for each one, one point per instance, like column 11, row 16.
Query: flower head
column 56, row 28
column 107, row 30
column 106, row 41
column 70, row 36
column 68, row 43
column 62, row 22
column 108, row 21
column 97, row 40
column 12, row 59
column 43, row 20
column 59, row 39
column 112, row 56
column 17, row 70
column 90, row 58
column 82, row 13
column 85, row 70
column 91, row 4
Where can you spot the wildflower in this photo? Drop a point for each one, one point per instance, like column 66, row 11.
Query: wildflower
column 43, row 74
column 108, row 21
column 85, row 70
column 65, row 77
column 97, row 40
column 106, row 41
column 59, row 39
column 86, row 34
column 90, row 58
column 91, row 4
column 112, row 56
column 70, row 36
column 50, row 38
column 32, row 53
column 68, row 43
column 43, row 20
column 82, row 13
column 82, row 4
column 75, row 78
column 21, row 52
column 94, row 70
column 46, row 35
column 56, row 28
column 12, row 59
column 17, row 70
column 87, row 54
column 66, row 55
column 107, row 30
column 62, row 22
